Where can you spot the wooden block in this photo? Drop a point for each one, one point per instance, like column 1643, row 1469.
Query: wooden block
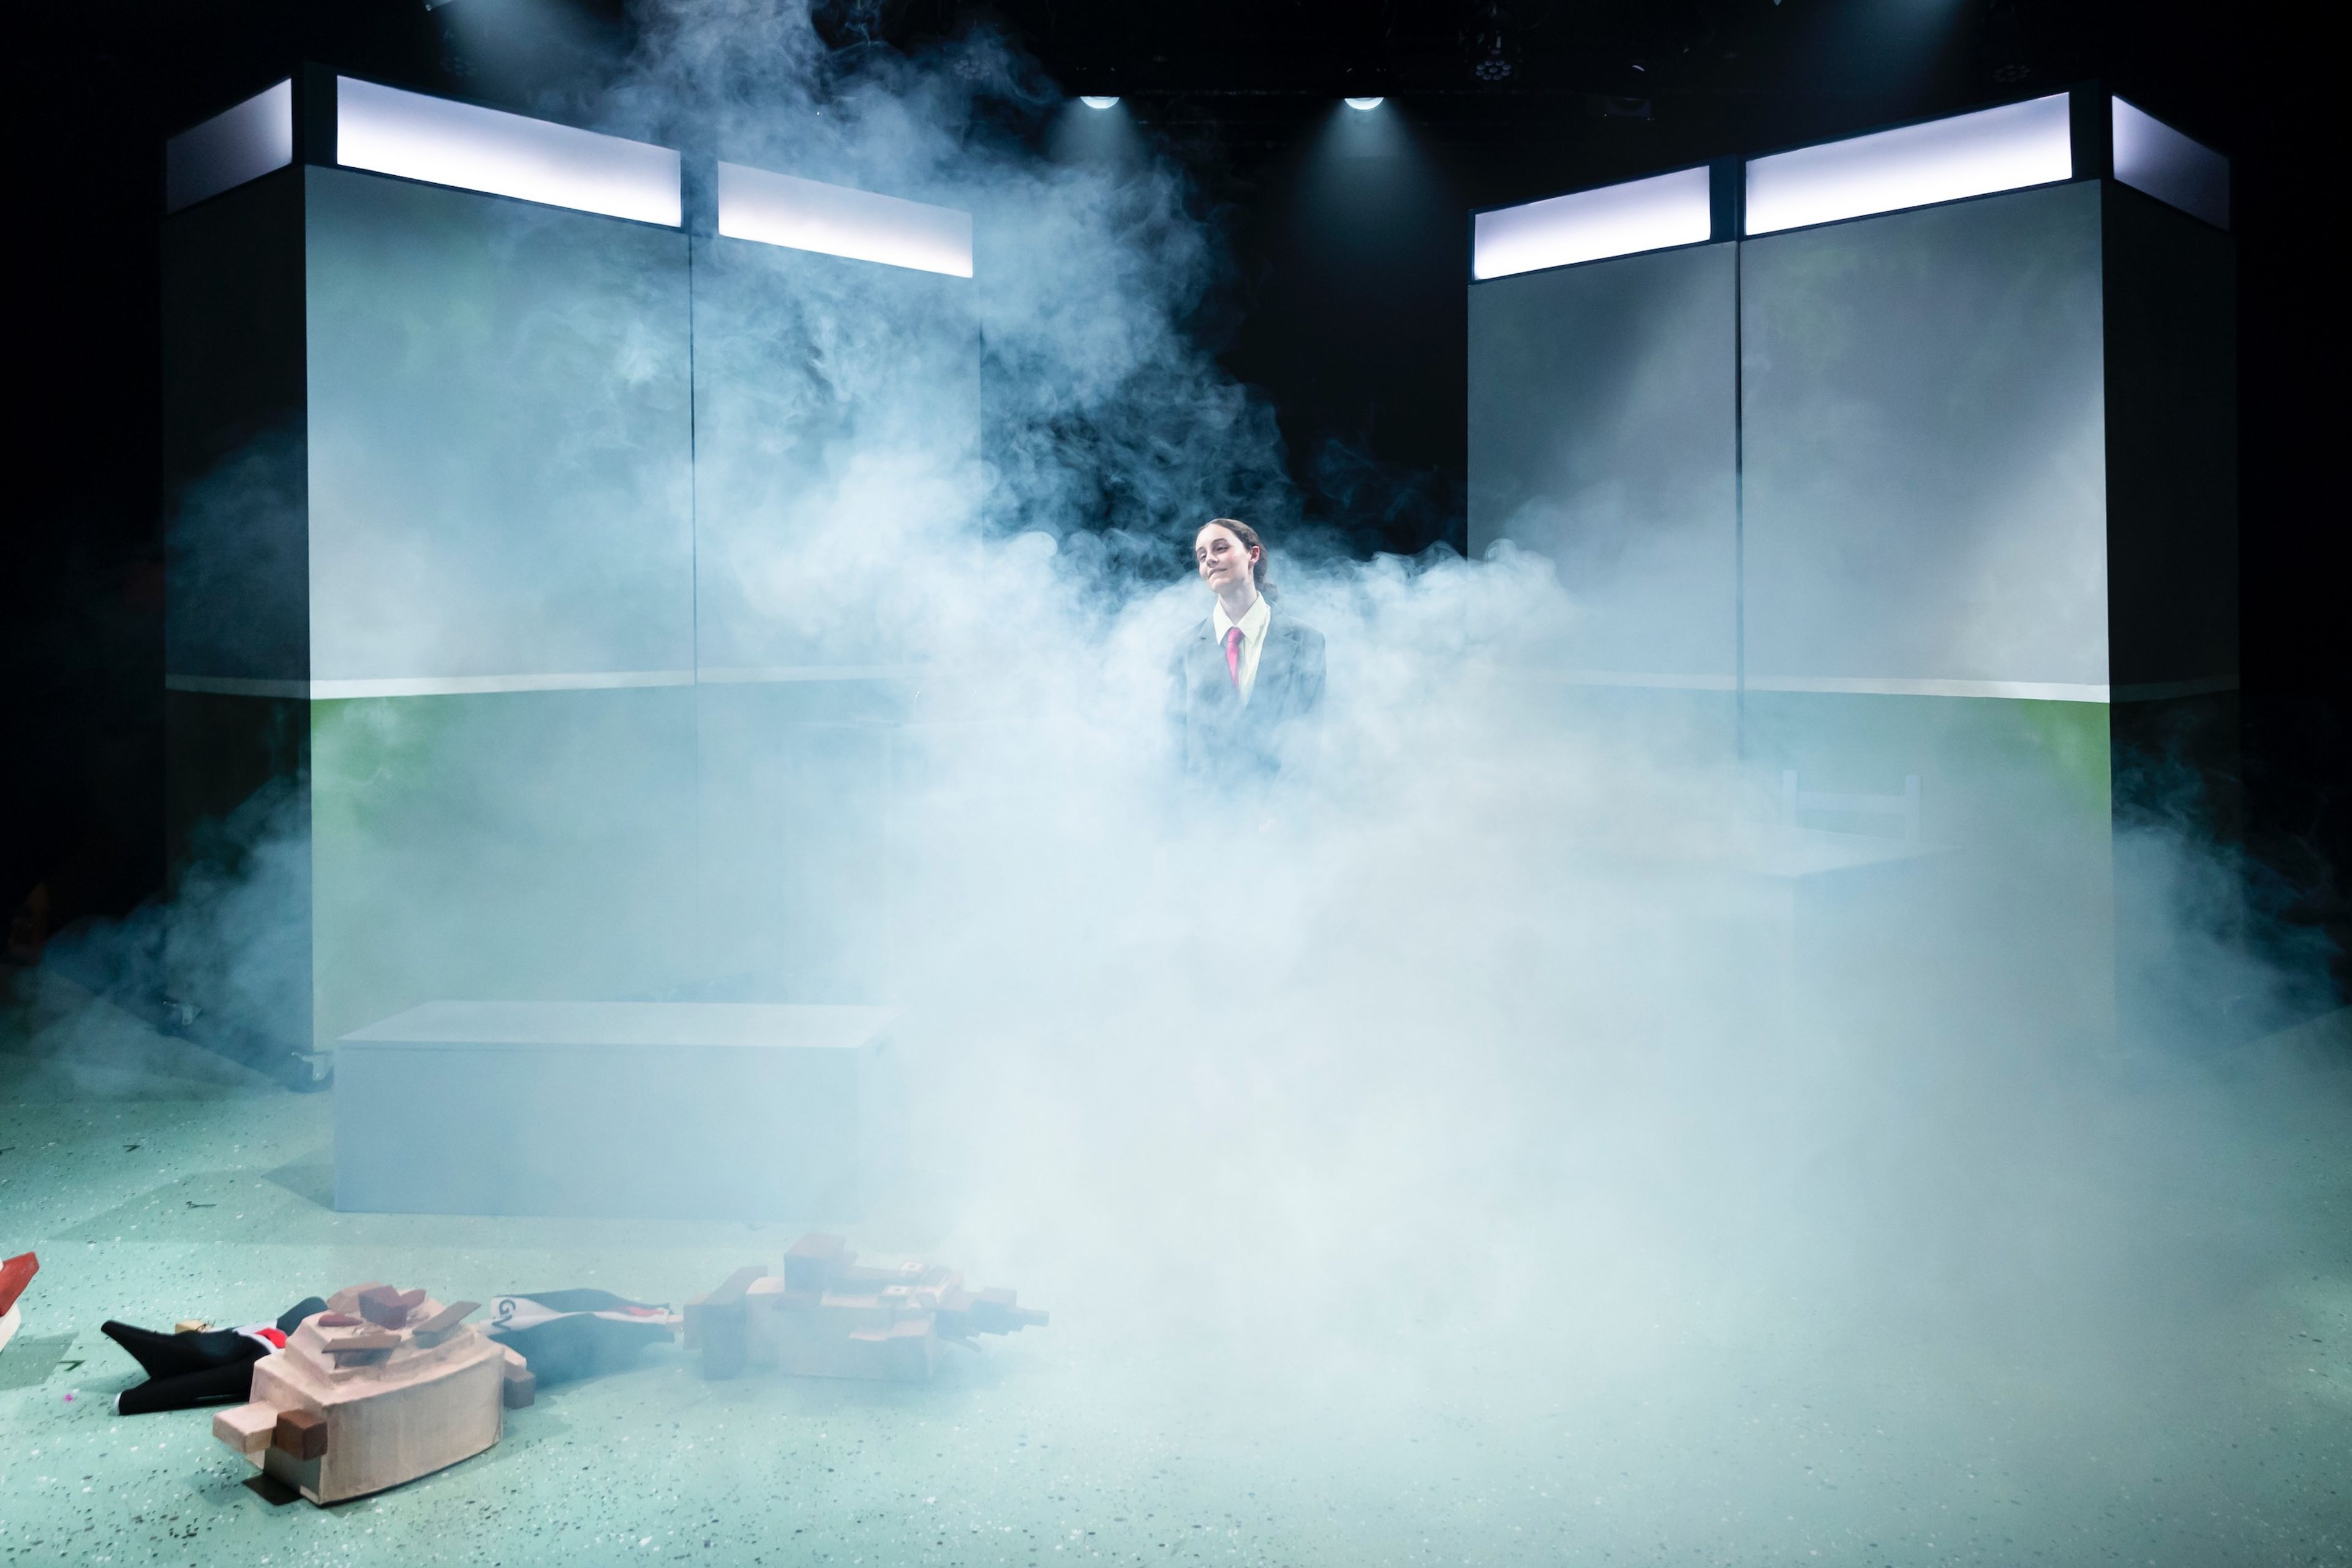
column 726, row 1341
column 363, row 1339
column 726, row 1326
column 248, row 1429
column 347, row 1300
column 722, row 1326
column 520, row 1387
column 814, row 1346
column 814, row 1260
column 388, row 1308
column 963, row 1313
column 337, row 1320
column 738, row 1282
column 190, row 1326
column 759, row 1306
column 300, row 1435
column 445, row 1323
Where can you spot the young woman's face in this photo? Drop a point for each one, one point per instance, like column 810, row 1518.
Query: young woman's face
column 1224, row 560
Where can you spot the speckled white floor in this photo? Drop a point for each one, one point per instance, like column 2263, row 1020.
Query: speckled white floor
column 157, row 1181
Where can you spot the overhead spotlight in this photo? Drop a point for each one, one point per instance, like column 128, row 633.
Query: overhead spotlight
column 1099, row 102
column 1364, row 103
column 1491, row 60
column 435, row 5
column 2004, row 43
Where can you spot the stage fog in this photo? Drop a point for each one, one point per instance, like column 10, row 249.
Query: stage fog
column 1506, row 1127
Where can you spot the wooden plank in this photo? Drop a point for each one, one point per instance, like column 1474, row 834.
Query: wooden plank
column 445, row 1323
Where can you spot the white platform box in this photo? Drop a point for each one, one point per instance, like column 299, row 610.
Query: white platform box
column 668, row 1110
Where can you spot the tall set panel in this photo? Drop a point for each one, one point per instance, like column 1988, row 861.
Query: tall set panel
column 838, row 430
column 1924, row 451
column 1601, row 433
column 451, row 468
column 1983, row 514
column 500, row 438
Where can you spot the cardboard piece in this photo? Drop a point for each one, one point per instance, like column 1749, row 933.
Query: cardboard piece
column 14, row 1274
column 717, row 1324
column 830, row 1316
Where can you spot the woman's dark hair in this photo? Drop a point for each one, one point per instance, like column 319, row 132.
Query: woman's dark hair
column 1250, row 541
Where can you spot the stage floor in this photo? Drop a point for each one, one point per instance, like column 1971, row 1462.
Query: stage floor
column 156, row 1181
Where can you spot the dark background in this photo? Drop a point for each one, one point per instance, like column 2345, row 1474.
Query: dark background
column 1345, row 301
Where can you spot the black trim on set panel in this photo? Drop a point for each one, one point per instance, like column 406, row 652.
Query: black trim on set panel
column 698, row 193
column 176, row 131
column 2091, row 125
column 2118, row 188
column 1727, row 198
column 314, row 115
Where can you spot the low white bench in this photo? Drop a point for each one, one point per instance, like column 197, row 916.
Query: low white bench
column 655, row 1109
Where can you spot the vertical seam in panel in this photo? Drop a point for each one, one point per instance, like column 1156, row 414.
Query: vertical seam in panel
column 306, row 763
column 693, row 479
column 693, row 584
column 1739, row 504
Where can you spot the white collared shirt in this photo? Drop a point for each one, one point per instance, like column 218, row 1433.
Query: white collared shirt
column 1252, row 624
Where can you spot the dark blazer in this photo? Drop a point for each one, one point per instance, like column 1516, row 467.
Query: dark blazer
column 1223, row 739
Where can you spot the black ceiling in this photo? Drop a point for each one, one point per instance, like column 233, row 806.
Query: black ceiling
column 1779, row 70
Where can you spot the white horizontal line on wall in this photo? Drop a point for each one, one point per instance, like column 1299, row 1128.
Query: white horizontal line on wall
column 1881, row 686
column 1632, row 677
column 730, row 675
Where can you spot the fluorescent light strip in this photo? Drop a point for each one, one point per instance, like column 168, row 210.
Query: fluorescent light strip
column 426, row 685
column 804, row 214
column 1615, row 220
column 231, row 148
column 477, row 148
column 471, row 685
column 2002, row 149
column 2151, row 156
